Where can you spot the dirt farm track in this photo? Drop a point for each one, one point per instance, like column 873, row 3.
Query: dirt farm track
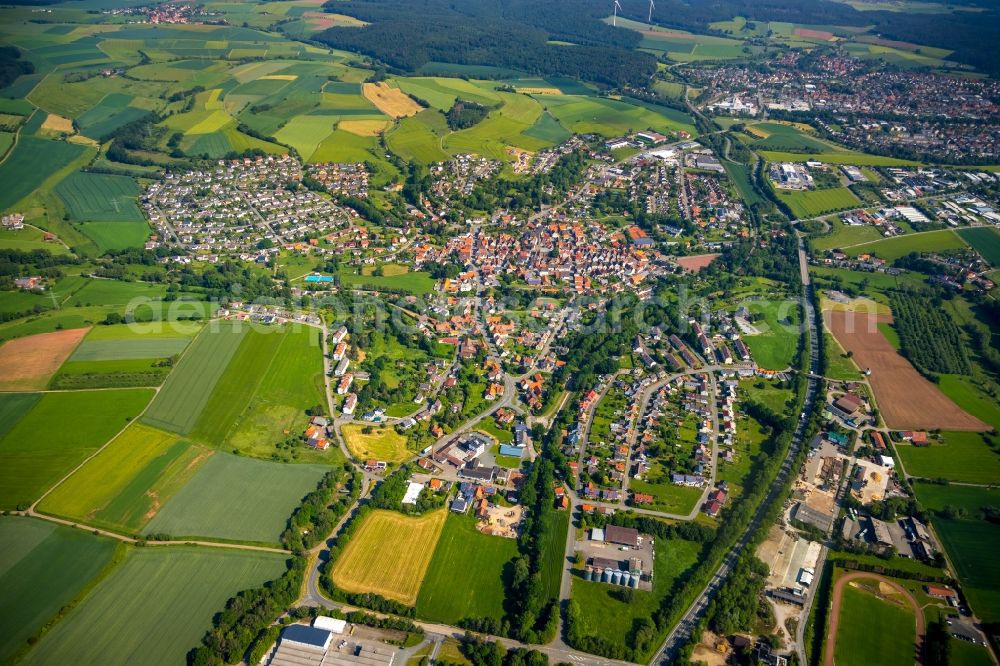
column 906, row 400
column 838, row 594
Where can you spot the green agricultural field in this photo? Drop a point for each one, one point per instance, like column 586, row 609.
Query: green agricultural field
column 180, row 402
column 610, row 117
column 419, row 138
column 891, row 249
column 963, row 457
column 57, row 434
column 14, row 407
column 100, row 197
column 136, row 348
column 786, row 138
column 465, row 577
column 774, row 348
column 125, row 485
column 603, row 614
column 31, row 162
column 970, row 545
column 342, row 146
column 986, row 241
column 146, row 611
column 274, row 377
column 237, row 499
column 116, row 235
column 43, row 567
column 874, row 631
column 811, row 203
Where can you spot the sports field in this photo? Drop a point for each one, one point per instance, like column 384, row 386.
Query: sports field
column 43, row 566
column 57, row 434
column 382, row 443
column 810, row 203
column 236, row 498
column 986, row 241
column 29, row 363
column 389, row 554
column 873, row 630
column 155, row 606
column 465, row 577
column 179, row 403
column 125, row 485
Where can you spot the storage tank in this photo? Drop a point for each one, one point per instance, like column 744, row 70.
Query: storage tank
column 616, row 577
column 634, row 582
column 626, row 579
column 607, row 576
column 588, row 573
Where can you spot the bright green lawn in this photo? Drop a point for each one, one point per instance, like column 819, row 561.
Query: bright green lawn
column 893, row 248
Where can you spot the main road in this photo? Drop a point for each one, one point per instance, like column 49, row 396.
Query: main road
column 682, row 632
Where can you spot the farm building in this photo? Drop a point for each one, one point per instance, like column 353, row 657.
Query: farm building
column 622, row 536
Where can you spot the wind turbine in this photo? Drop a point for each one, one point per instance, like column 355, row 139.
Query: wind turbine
column 614, row 21
column 651, row 8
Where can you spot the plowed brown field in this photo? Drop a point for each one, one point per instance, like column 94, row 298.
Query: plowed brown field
column 28, row 363
column 905, row 398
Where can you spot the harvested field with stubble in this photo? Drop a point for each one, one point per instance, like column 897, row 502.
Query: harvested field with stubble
column 364, row 127
column 906, row 400
column 389, row 554
column 29, row 363
column 390, row 101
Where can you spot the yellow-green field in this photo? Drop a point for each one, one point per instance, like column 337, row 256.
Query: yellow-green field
column 382, row 443
column 389, row 554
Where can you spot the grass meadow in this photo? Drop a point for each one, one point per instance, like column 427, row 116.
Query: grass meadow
column 465, row 577
column 42, row 568
column 233, row 498
column 774, row 348
column 100, row 197
column 57, row 434
column 389, row 554
column 154, row 607
column 963, row 457
column 382, row 443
